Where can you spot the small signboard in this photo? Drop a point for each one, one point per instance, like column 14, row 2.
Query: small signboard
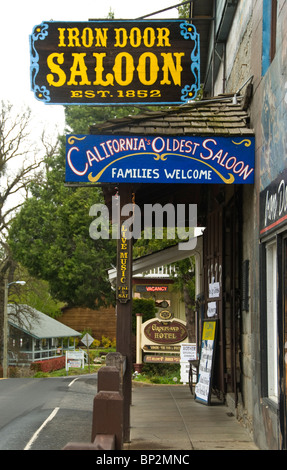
column 165, row 332
column 115, row 62
column 157, row 159
column 75, row 359
column 205, row 372
column 154, row 359
column 187, row 353
column 87, row 340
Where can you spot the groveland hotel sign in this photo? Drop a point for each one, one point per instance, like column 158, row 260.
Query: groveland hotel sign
column 115, row 62
column 157, row 159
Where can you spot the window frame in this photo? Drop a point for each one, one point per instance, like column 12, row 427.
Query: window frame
column 270, row 319
column 269, row 32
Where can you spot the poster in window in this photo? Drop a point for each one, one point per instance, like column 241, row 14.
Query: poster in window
column 205, row 372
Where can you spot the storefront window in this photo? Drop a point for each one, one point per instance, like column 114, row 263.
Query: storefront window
column 271, row 320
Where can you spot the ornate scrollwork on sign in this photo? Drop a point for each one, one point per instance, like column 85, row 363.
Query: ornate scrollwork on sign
column 40, row 32
column 189, row 92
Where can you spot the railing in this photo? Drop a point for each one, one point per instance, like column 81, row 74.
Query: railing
column 108, row 426
column 24, row 357
column 159, row 272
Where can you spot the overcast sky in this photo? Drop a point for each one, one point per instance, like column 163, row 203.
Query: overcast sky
column 17, row 20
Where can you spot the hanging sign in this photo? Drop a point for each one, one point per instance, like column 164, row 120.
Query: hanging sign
column 123, row 292
column 165, row 332
column 204, row 384
column 157, row 159
column 115, row 62
column 273, row 204
column 144, row 288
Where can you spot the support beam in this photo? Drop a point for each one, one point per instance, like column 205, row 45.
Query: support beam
column 124, row 307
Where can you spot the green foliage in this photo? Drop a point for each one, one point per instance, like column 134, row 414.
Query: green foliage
column 96, row 343
column 146, row 307
column 144, row 246
column 184, row 273
column 80, row 118
column 159, row 374
column 106, row 342
column 184, row 277
column 50, row 237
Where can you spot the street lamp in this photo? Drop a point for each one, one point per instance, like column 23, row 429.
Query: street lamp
column 5, row 324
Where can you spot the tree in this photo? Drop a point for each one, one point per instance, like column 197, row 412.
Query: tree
column 183, row 276
column 144, row 306
column 184, row 10
column 80, row 118
column 184, row 281
column 54, row 225
column 19, row 160
column 20, row 163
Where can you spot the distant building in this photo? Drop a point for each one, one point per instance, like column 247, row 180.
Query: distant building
column 100, row 322
column 34, row 336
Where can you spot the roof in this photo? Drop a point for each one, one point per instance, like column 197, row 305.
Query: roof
column 165, row 256
column 220, row 116
column 37, row 324
column 216, row 116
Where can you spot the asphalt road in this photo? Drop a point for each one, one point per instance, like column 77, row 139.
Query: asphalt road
column 46, row 414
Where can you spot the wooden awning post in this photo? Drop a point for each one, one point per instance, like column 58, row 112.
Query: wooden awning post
column 124, row 305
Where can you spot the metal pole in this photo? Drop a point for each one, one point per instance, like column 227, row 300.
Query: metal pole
column 5, row 328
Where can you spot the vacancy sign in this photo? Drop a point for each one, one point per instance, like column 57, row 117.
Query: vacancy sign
column 115, row 62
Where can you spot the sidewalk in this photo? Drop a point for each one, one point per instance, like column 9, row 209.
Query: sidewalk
column 168, row 418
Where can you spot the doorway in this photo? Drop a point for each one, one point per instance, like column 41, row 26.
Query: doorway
column 222, row 267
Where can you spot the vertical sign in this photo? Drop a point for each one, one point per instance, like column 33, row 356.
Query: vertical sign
column 124, row 267
column 187, row 353
column 124, row 304
column 204, row 384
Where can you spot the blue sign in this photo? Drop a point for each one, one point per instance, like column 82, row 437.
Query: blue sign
column 158, row 159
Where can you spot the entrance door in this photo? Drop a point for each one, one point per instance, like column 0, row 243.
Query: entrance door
column 213, row 291
column 283, row 369
column 222, row 268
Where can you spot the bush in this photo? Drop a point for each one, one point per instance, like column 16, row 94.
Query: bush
column 159, row 374
column 106, row 342
column 49, row 365
column 144, row 306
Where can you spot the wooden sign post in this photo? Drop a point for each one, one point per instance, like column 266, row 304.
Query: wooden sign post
column 124, row 306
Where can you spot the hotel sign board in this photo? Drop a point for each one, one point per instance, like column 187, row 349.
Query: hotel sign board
column 165, row 332
column 115, row 62
column 158, row 159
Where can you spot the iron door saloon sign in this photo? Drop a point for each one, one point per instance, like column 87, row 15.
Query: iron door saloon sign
column 156, row 159
column 115, row 62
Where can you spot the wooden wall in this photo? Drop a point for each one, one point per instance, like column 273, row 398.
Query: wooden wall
column 101, row 322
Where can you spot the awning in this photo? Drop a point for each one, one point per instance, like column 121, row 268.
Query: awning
column 163, row 257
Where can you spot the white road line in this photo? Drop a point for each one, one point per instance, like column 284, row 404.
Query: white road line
column 36, row 434
column 71, row 383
